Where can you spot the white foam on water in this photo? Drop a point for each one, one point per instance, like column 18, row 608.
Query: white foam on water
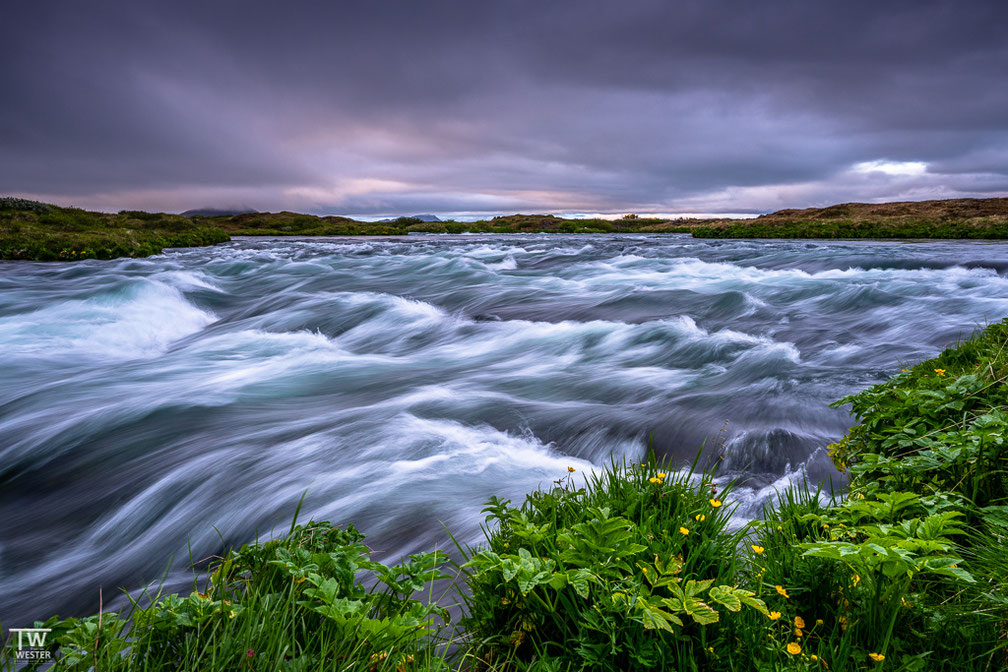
column 140, row 320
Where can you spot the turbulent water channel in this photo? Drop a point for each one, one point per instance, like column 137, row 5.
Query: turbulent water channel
column 168, row 407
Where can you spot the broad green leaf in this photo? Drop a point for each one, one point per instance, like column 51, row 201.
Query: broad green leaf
column 725, row 595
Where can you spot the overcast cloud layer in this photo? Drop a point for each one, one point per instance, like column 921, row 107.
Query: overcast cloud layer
column 375, row 108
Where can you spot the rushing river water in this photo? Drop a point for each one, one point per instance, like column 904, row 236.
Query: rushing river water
column 154, row 408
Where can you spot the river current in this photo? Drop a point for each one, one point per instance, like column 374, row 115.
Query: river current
column 164, row 408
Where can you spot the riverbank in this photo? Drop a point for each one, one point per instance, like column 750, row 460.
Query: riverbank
column 40, row 231
column 973, row 218
column 635, row 567
column 35, row 231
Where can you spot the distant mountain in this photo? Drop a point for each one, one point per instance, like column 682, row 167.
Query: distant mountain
column 215, row 212
column 422, row 218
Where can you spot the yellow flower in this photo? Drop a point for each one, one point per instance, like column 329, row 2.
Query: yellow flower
column 794, row 648
column 660, row 474
column 757, row 549
column 877, row 657
column 654, row 480
column 571, row 469
column 715, row 503
column 683, row 530
column 857, row 579
column 814, row 657
column 798, row 632
column 799, row 622
column 774, row 615
column 701, row 517
column 781, row 591
column 940, row 372
column 818, row 621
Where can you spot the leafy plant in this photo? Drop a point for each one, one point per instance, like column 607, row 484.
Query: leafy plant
column 295, row 603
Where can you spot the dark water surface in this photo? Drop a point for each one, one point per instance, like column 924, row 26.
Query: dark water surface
column 186, row 401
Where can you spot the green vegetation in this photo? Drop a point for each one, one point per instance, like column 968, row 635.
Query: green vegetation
column 637, row 568
column 634, row 571
column 33, row 230
column 954, row 218
column 295, row 603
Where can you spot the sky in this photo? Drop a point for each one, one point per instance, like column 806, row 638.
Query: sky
column 471, row 107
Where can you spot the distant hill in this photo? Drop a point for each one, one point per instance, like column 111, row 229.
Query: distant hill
column 422, row 218
column 942, row 210
column 216, row 212
column 949, row 218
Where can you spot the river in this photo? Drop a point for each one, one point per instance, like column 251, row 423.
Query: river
column 164, row 408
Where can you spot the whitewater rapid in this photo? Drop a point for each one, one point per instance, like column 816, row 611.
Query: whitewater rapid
column 152, row 409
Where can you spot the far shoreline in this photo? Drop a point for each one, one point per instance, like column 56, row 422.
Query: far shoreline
column 35, row 231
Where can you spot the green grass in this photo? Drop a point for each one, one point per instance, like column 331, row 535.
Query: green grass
column 299, row 602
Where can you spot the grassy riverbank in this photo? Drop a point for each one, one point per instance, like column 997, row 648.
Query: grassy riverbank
column 985, row 218
column 40, row 231
column 637, row 569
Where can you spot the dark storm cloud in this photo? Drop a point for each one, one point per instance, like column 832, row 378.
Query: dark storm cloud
column 375, row 107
